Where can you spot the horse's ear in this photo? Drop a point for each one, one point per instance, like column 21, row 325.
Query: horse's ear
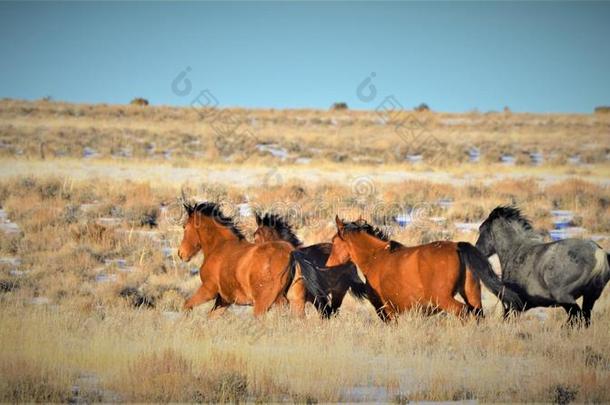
column 361, row 220
column 189, row 208
column 340, row 224
column 259, row 220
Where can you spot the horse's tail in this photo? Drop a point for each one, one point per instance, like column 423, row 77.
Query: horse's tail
column 476, row 262
column 313, row 282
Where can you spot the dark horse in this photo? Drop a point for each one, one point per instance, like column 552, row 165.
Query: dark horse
column 335, row 281
column 544, row 274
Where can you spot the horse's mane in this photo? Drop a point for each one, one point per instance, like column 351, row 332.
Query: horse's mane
column 516, row 219
column 281, row 226
column 393, row 246
column 212, row 210
column 510, row 213
column 363, row 226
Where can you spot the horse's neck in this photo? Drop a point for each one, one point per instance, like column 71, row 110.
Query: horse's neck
column 365, row 251
column 508, row 240
column 212, row 235
column 277, row 237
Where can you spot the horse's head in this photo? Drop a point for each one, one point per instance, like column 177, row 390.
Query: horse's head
column 504, row 225
column 340, row 252
column 264, row 232
column 204, row 227
column 191, row 243
column 485, row 242
column 272, row 227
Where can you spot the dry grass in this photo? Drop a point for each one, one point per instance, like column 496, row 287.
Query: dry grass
column 140, row 355
column 90, row 313
column 80, row 325
column 49, row 129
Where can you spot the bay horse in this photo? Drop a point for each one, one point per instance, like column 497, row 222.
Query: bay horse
column 334, row 281
column 544, row 274
column 406, row 277
column 235, row 271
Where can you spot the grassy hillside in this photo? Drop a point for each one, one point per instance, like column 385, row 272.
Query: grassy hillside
column 308, row 137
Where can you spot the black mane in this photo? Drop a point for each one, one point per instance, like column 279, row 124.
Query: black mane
column 363, row 226
column 393, row 246
column 510, row 213
column 212, row 210
column 281, row 226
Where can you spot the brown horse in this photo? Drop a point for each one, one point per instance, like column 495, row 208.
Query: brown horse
column 335, row 281
column 236, row 271
column 428, row 275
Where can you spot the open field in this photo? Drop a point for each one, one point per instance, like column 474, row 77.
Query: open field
column 305, row 137
column 91, row 295
column 91, row 287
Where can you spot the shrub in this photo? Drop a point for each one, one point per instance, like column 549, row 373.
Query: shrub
column 422, row 107
column 25, row 381
column 339, row 106
column 139, row 101
column 563, row 394
column 602, row 109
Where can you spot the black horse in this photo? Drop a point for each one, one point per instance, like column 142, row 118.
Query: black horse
column 335, row 281
column 544, row 274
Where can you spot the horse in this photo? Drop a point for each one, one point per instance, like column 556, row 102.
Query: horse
column 335, row 281
column 235, row 271
column 544, row 274
column 428, row 275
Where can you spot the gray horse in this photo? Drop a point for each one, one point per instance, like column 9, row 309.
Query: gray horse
column 544, row 274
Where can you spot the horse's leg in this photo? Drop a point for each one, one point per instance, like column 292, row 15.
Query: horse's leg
column 588, row 301
column 264, row 300
column 203, row 294
column 377, row 303
column 267, row 295
column 296, row 295
column 281, row 301
column 337, row 298
column 220, row 306
column 574, row 313
column 322, row 305
column 453, row 306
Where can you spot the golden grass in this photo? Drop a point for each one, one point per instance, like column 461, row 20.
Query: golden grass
column 92, row 312
column 141, row 355
column 33, row 129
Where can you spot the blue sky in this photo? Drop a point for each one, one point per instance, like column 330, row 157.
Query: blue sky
column 455, row 56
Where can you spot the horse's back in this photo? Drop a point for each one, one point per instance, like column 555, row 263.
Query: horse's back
column 318, row 253
column 429, row 252
column 419, row 271
column 568, row 266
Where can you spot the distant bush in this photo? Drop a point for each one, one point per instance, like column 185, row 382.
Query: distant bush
column 422, row 107
column 139, row 101
column 602, row 109
column 339, row 106
column 507, row 110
